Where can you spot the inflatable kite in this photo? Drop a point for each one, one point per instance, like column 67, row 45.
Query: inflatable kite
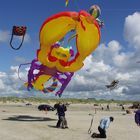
column 59, row 63
column 45, row 73
column 18, row 31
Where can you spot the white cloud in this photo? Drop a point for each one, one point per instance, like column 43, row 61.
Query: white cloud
column 10, row 83
column 121, row 59
column 132, row 29
column 14, row 68
column 114, row 46
column 4, row 36
column 111, row 62
column 124, row 76
column 1, row 85
column 27, row 38
column 2, row 74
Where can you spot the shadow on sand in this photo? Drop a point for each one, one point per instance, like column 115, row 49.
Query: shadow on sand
column 28, row 118
column 52, row 126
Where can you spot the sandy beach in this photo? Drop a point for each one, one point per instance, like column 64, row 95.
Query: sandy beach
column 21, row 122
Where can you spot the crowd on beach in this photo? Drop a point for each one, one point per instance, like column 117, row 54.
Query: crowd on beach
column 103, row 124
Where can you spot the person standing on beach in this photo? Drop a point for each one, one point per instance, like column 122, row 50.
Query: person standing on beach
column 123, row 109
column 104, row 124
column 61, row 109
column 137, row 117
column 107, row 107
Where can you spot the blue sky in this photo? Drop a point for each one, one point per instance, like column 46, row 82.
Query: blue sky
column 32, row 13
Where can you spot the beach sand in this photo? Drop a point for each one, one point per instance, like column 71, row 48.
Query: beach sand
column 21, row 122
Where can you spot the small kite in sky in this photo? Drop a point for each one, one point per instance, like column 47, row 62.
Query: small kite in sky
column 113, row 84
column 18, row 31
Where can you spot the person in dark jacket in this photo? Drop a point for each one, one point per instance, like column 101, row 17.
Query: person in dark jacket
column 61, row 109
column 137, row 117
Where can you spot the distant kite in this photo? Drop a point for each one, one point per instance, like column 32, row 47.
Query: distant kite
column 113, row 84
column 18, row 31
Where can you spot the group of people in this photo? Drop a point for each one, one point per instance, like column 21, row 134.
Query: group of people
column 103, row 125
column 105, row 122
column 62, row 122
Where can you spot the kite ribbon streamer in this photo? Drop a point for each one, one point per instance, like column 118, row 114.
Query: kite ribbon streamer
column 52, row 87
column 18, row 31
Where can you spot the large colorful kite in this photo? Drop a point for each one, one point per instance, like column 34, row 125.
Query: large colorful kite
column 59, row 63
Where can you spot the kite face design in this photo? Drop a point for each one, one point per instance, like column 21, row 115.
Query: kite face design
column 57, row 26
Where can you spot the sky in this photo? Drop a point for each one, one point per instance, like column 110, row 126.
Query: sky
column 115, row 57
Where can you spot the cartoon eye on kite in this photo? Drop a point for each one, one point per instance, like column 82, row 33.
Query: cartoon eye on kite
column 18, row 31
column 113, row 84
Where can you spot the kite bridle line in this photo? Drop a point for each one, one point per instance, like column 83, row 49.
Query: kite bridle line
column 19, row 69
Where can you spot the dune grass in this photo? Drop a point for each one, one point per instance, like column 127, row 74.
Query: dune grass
column 68, row 100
